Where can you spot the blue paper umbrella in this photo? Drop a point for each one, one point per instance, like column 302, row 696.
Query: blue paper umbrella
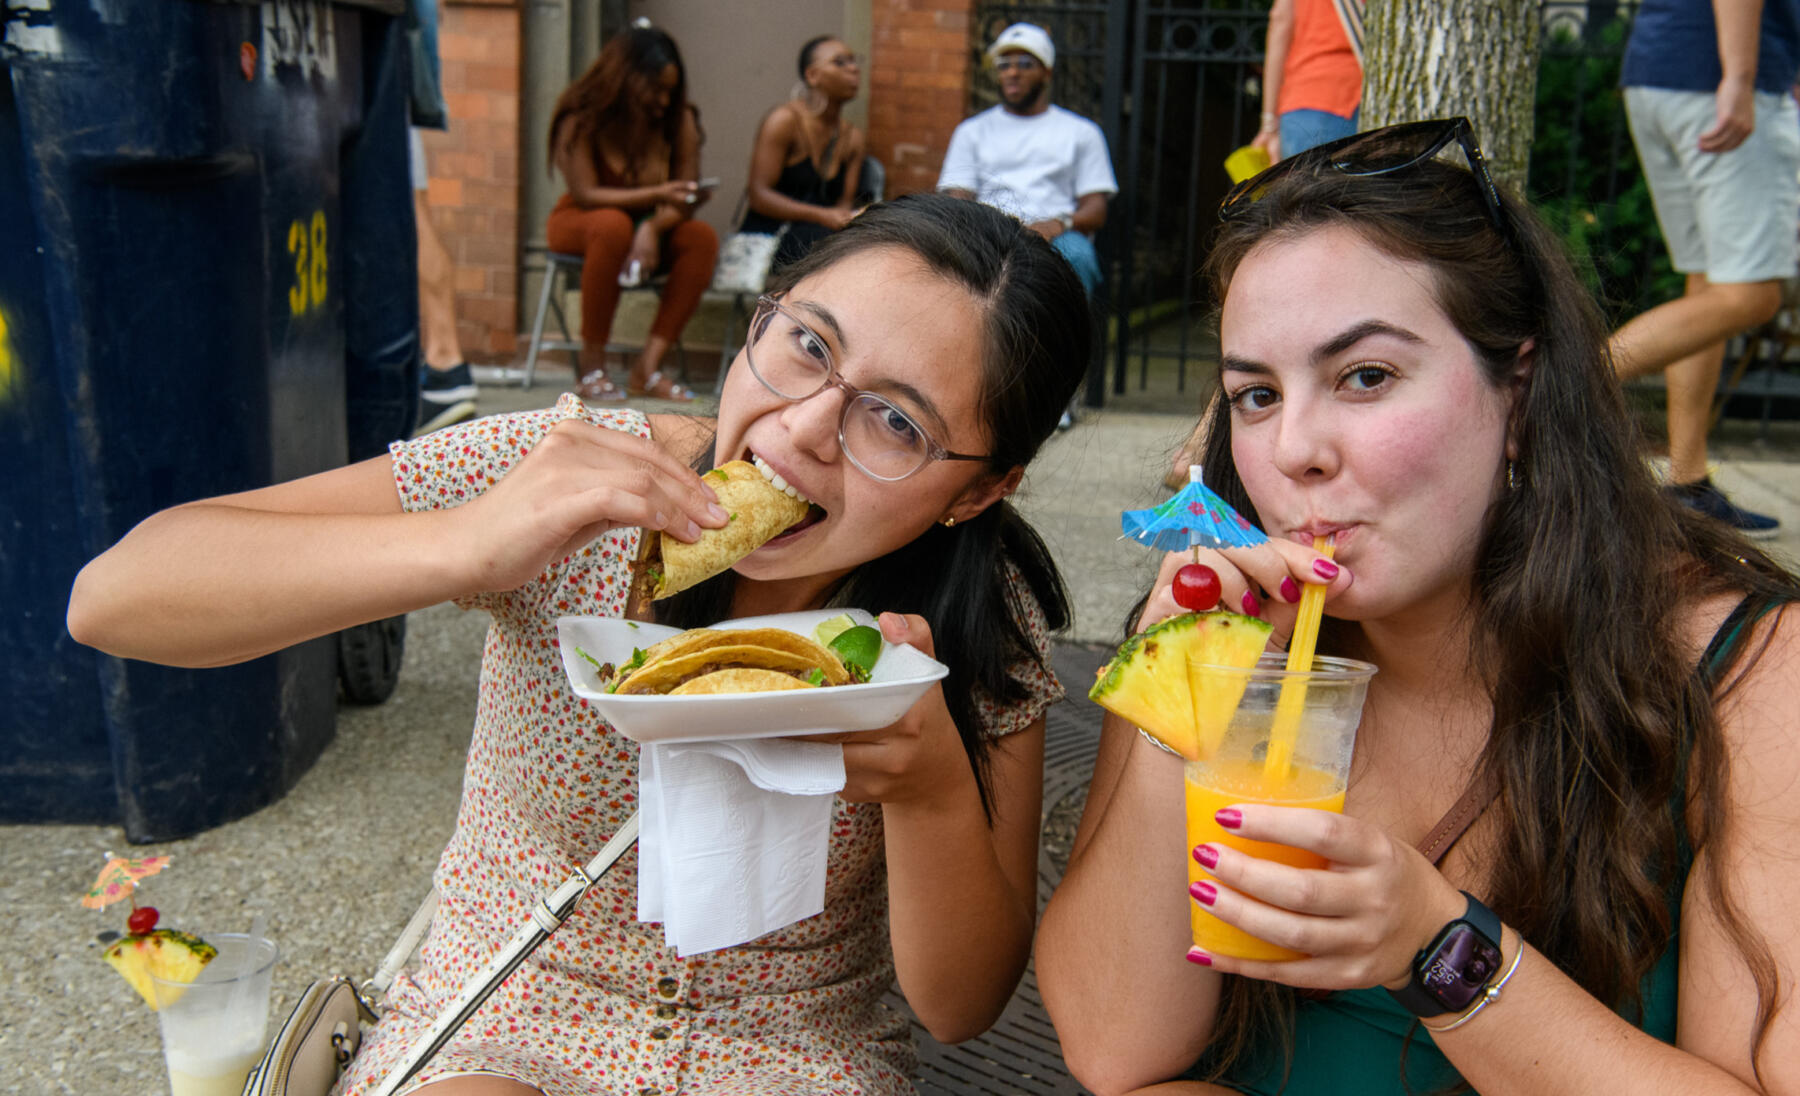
column 1194, row 517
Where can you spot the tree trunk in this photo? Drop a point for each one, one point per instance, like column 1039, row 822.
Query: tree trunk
column 1434, row 59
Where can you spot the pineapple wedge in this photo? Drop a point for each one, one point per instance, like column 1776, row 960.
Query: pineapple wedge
column 163, row 953
column 1147, row 681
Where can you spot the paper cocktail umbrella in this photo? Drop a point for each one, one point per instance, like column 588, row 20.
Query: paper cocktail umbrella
column 1194, row 517
column 118, row 879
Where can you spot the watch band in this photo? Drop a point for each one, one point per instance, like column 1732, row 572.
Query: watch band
column 1414, row 997
column 1067, row 220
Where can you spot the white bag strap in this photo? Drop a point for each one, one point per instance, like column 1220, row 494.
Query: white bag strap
column 545, row 918
column 403, row 947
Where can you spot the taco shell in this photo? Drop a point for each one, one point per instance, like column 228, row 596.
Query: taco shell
column 780, row 652
column 759, row 513
column 739, row 680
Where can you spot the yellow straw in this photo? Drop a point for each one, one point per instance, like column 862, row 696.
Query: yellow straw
column 1300, row 659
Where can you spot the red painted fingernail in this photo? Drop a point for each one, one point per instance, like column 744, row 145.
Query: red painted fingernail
column 1290, row 590
column 1229, row 817
column 1252, row 607
column 1196, row 956
column 1325, row 569
column 1207, row 856
column 1204, row 893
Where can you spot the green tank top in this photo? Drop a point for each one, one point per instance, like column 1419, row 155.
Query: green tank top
column 1361, row 1043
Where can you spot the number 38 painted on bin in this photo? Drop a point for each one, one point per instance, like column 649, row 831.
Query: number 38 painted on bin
column 308, row 247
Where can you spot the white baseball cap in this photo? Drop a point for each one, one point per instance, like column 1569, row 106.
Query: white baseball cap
column 1029, row 37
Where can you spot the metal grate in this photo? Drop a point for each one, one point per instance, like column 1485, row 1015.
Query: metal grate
column 1020, row 1053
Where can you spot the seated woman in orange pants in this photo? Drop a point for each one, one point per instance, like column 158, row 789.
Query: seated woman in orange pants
column 627, row 143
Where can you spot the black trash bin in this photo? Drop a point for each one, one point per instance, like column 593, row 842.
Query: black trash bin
column 207, row 273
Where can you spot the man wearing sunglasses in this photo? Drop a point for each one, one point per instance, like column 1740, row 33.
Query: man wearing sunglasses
column 1707, row 94
column 1045, row 165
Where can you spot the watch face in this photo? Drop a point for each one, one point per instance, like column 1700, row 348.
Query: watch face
column 1459, row 967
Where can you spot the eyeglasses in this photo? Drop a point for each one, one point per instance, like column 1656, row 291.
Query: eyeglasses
column 1023, row 64
column 792, row 361
column 1381, row 152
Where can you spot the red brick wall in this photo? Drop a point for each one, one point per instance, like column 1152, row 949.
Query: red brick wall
column 918, row 86
column 474, row 193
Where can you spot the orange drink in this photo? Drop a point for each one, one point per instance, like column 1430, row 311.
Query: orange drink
column 1238, row 711
column 1212, row 786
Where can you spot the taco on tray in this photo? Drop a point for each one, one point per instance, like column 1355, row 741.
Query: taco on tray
column 746, row 660
column 759, row 510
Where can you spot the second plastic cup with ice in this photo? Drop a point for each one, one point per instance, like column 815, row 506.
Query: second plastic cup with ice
column 212, row 1027
column 1237, row 767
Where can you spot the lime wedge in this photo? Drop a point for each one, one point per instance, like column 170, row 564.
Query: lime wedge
column 859, row 646
column 829, row 630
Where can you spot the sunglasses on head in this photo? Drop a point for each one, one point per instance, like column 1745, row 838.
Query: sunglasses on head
column 1380, row 152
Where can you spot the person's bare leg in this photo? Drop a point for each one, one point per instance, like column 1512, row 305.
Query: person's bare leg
column 437, row 293
column 1689, row 387
column 1685, row 339
column 1707, row 313
column 650, row 359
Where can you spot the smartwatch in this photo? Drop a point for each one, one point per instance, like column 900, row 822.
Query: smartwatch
column 1452, row 970
column 1067, row 220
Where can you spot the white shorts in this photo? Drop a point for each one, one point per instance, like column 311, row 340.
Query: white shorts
column 1732, row 216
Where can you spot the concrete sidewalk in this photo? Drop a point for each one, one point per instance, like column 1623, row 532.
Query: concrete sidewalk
column 339, row 864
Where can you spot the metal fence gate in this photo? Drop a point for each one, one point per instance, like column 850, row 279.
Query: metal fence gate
column 1175, row 85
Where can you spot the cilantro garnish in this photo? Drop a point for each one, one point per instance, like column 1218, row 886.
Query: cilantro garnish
column 720, row 474
column 815, row 676
column 596, row 663
column 636, row 660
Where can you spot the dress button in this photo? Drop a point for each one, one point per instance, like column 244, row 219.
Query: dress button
column 665, row 1011
column 659, row 1033
column 666, row 987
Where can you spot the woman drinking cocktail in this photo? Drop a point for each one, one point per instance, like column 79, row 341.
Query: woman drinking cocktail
column 1564, row 859
column 899, row 377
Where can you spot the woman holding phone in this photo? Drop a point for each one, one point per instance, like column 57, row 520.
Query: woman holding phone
column 627, row 143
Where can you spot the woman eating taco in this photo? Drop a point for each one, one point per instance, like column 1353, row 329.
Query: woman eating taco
column 899, row 379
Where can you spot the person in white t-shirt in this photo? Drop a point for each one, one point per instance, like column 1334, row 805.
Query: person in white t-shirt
column 1045, row 165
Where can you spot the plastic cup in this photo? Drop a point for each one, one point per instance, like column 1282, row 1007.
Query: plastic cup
column 1235, row 769
column 212, row 1027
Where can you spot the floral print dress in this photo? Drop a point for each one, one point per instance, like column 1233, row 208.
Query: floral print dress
column 603, row 1006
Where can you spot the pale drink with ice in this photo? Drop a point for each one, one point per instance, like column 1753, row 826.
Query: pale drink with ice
column 212, row 1028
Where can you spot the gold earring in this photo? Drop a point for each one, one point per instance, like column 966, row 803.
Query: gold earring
column 949, row 522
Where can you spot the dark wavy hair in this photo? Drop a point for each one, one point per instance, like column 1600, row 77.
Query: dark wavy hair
column 1604, row 736
column 601, row 103
column 1033, row 355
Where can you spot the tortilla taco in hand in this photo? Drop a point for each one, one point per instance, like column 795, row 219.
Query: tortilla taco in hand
column 759, row 511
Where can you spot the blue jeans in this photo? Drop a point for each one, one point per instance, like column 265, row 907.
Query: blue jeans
column 1302, row 129
column 1079, row 250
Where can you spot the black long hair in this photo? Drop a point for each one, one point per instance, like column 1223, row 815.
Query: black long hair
column 1033, row 356
column 1583, row 576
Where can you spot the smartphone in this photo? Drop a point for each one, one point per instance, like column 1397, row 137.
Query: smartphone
column 711, row 183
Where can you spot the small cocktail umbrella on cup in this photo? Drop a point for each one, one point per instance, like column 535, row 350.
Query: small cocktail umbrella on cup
column 1194, row 517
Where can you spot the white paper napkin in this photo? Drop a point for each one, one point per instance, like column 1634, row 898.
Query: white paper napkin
column 734, row 837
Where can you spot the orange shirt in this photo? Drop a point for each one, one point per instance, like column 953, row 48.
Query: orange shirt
column 1321, row 72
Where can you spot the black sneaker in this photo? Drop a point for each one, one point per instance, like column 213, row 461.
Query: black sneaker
column 1701, row 495
column 446, row 396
